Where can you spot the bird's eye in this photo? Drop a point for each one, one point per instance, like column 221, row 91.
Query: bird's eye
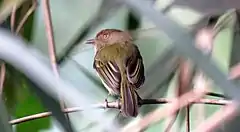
column 105, row 36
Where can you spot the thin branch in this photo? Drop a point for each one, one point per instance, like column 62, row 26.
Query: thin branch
column 26, row 16
column 184, row 81
column 7, row 6
column 170, row 124
column 2, row 77
column 188, row 119
column 42, row 115
column 200, row 101
column 216, row 95
column 50, row 36
column 51, row 44
column 13, row 17
column 116, row 105
column 3, row 67
column 225, row 113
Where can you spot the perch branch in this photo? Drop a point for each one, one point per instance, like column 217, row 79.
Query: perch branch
column 116, row 105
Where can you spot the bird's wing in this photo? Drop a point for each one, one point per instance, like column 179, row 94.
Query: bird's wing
column 109, row 74
column 135, row 68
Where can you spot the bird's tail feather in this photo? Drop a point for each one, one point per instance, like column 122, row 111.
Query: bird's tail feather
column 129, row 100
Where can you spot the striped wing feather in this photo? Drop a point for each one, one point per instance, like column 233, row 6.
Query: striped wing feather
column 110, row 74
column 135, row 68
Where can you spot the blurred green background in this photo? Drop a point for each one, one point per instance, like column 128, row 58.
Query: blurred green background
column 68, row 17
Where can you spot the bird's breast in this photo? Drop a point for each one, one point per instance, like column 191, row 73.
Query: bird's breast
column 112, row 52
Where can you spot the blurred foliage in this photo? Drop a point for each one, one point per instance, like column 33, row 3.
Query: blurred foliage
column 27, row 29
column 133, row 22
column 6, row 7
column 21, row 101
column 234, row 56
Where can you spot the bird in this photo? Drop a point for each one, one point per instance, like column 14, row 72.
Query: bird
column 119, row 64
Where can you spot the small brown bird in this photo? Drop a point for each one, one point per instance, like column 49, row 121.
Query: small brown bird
column 119, row 65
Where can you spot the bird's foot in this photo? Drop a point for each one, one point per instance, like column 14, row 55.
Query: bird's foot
column 106, row 101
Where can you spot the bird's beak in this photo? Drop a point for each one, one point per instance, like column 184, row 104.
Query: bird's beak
column 90, row 41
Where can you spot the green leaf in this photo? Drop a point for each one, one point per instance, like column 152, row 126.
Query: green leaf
column 12, row 91
column 23, row 102
column 19, row 99
column 4, row 125
column 235, row 54
column 31, row 105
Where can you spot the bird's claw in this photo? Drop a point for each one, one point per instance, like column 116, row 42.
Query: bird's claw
column 106, row 103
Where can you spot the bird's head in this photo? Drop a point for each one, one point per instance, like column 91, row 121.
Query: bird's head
column 108, row 37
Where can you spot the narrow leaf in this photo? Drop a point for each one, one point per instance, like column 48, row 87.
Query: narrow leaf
column 4, row 118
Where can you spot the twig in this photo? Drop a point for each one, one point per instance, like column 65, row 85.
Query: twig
column 171, row 123
column 51, row 44
column 50, row 36
column 216, row 95
column 3, row 67
column 7, row 6
column 188, row 119
column 225, row 113
column 200, row 101
column 26, row 16
column 42, row 115
column 116, row 105
column 13, row 17
column 2, row 78
column 184, row 81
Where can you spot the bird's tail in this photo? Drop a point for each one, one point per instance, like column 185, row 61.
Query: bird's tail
column 129, row 100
